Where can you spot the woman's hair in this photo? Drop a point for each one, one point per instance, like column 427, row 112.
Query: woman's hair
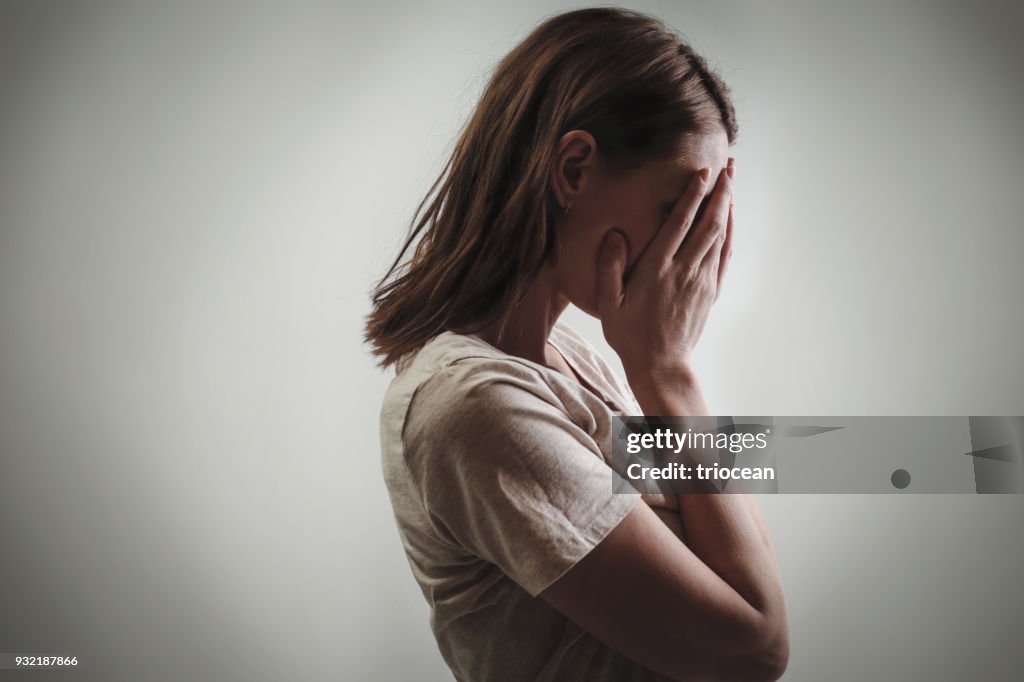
column 621, row 75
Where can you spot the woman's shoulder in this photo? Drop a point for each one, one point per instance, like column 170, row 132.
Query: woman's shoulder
column 455, row 372
column 458, row 392
column 454, row 359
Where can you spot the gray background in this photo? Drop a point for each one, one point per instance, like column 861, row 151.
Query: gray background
column 196, row 198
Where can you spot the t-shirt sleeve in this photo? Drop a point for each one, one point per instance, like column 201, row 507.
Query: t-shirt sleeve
column 505, row 473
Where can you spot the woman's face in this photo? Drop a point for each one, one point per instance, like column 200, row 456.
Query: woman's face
column 636, row 204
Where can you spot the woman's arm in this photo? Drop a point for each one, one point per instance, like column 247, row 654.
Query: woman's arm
column 710, row 608
column 676, row 395
column 726, row 531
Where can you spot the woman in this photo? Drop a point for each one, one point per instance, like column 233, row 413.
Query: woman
column 594, row 171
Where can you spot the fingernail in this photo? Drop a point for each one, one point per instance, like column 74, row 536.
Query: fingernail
column 614, row 239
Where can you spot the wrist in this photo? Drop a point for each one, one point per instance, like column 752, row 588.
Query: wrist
column 667, row 392
column 660, row 380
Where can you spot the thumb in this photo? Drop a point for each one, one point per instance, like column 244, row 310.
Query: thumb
column 611, row 265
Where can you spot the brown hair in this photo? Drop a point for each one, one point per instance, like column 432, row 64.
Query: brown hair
column 621, row 75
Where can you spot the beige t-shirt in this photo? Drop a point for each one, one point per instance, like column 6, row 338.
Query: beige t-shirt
column 497, row 471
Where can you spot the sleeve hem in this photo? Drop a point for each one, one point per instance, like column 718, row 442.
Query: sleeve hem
column 615, row 511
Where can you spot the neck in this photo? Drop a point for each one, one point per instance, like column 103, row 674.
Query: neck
column 530, row 321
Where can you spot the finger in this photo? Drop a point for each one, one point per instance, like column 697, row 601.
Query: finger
column 611, row 266
column 726, row 256
column 724, row 241
column 712, row 224
column 673, row 231
column 712, row 261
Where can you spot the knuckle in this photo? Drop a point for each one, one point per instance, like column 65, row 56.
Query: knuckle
column 718, row 228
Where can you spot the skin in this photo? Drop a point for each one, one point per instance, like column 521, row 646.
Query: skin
column 636, row 205
column 710, row 607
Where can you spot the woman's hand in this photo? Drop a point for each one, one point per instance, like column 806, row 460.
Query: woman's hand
column 723, row 574
column 654, row 320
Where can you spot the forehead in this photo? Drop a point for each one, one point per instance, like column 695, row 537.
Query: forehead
column 696, row 151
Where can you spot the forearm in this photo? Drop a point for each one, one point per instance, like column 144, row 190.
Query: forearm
column 725, row 530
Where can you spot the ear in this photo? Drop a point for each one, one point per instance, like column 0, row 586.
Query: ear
column 574, row 163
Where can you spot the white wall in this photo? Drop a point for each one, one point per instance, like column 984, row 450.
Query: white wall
column 196, row 200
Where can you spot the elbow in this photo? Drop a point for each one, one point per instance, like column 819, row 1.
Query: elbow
column 763, row 660
column 770, row 663
column 753, row 648
column 768, row 657
column 763, row 657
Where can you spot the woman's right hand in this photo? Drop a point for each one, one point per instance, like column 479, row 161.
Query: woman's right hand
column 654, row 320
